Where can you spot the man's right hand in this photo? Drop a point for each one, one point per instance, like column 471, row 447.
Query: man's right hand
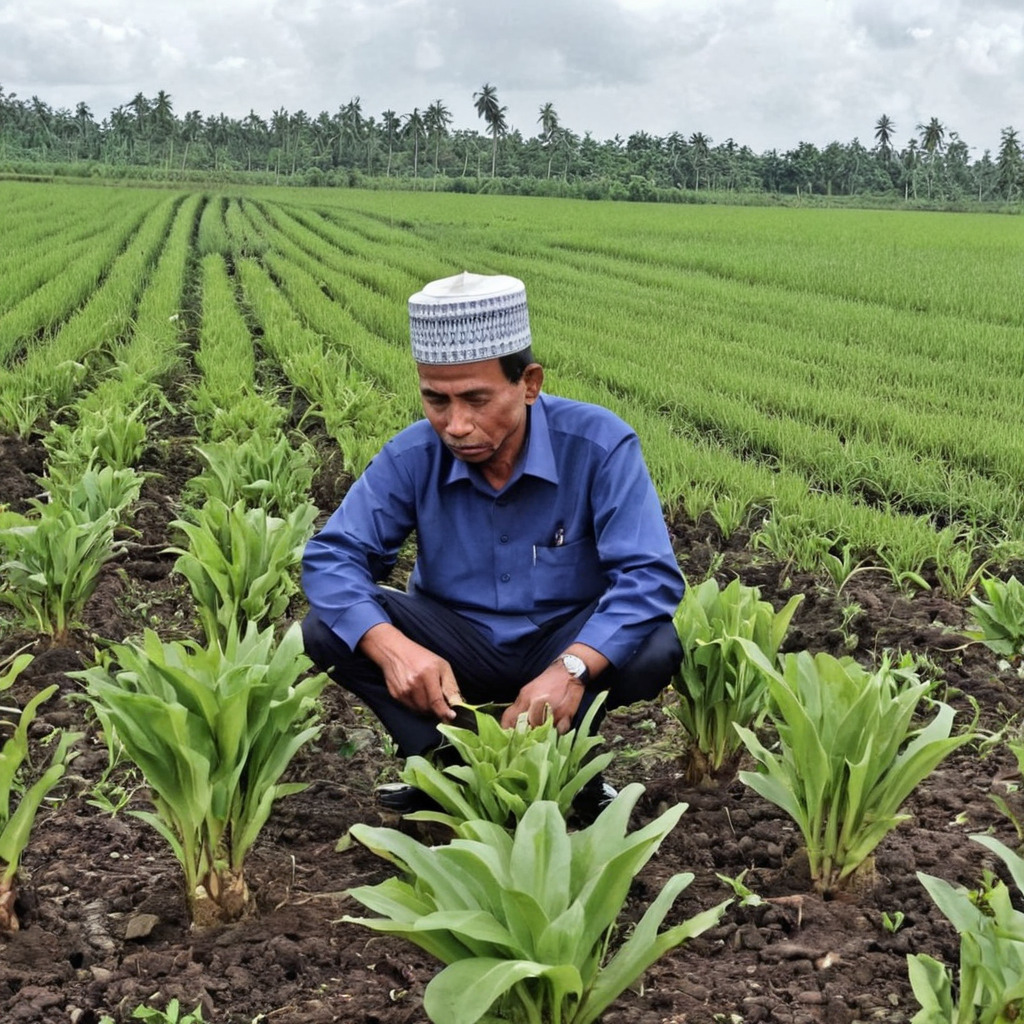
column 414, row 675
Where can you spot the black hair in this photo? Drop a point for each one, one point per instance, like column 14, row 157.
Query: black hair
column 513, row 365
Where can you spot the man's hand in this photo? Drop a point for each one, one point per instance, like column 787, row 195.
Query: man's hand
column 554, row 691
column 414, row 675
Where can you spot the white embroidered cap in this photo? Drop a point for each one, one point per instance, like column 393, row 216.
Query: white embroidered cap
column 469, row 317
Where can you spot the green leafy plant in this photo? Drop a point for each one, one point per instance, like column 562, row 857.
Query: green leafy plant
column 958, row 564
column 848, row 756
column 745, row 896
column 171, row 1014
column 265, row 470
column 851, row 640
column 239, row 561
column 717, row 683
column 504, row 771
column 526, row 922
column 999, row 621
column 991, row 976
column 892, row 923
column 12, row 666
column 91, row 493
column 113, row 436
column 16, row 822
column 50, row 564
column 212, row 730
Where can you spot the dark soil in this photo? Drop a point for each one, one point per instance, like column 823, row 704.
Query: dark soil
column 103, row 911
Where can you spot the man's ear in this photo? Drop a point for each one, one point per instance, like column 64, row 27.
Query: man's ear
column 533, row 378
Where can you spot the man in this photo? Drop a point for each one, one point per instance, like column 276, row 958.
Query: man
column 544, row 572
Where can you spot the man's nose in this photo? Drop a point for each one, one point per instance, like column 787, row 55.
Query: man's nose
column 459, row 423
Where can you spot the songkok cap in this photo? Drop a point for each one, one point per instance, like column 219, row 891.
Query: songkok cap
column 469, row 317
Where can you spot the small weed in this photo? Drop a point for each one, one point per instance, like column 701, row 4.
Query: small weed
column 894, row 923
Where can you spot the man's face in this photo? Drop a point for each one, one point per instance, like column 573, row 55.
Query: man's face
column 477, row 412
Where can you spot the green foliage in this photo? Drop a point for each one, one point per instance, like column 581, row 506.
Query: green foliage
column 991, row 978
column 848, row 756
column 999, row 621
column 50, row 564
column 525, row 922
column 263, row 469
column 212, row 730
column 717, row 683
column 504, row 771
column 12, row 667
column 92, row 493
column 239, row 560
column 114, row 436
column 249, row 414
column 16, row 822
column 171, row 1014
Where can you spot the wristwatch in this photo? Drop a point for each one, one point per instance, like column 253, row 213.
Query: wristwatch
column 575, row 666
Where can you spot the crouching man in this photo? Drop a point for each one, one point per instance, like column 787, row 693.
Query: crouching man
column 544, row 573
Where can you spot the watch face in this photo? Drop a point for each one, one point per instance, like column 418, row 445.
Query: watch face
column 574, row 665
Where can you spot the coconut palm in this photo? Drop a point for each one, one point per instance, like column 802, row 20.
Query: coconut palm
column 350, row 121
column 1009, row 162
column 416, row 127
column 549, row 130
column 884, row 130
column 700, row 147
column 436, row 121
column 390, row 126
column 487, row 107
column 932, row 136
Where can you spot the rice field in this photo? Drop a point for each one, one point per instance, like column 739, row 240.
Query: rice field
column 843, row 384
column 821, row 395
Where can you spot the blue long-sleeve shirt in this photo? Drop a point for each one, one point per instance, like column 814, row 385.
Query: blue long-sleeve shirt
column 578, row 521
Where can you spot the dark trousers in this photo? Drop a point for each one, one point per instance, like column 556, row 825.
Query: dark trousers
column 484, row 672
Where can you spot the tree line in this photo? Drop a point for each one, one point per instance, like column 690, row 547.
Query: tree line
column 352, row 147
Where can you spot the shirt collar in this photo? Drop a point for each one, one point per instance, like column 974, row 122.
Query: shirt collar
column 538, row 459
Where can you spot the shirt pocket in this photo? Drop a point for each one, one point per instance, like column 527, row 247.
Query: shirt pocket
column 567, row 575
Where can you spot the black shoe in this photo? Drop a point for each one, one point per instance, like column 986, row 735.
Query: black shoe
column 591, row 800
column 404, row 799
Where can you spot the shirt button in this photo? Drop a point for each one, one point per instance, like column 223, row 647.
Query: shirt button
column 504, row 538
column 505, row 577
column 501, row 502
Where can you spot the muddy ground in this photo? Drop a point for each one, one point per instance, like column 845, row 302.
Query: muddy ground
column 101, row 900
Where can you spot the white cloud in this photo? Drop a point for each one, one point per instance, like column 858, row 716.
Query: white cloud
column 768, row 73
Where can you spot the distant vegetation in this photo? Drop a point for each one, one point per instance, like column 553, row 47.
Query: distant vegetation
column 145, row 137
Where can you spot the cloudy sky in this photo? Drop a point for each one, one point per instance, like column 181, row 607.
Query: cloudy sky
column 767, row 73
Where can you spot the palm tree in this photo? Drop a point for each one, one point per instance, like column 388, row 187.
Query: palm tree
column 487, row 107
column 415, row 127
column 909, row 159
column 164, row 124
column 436, row 121
column 932, row 135
column 324, row 137
column 548, row 121
column 390, row 125
column 700, row 146
column 884, row 130
column 86, row 128
column 191, row 129
column 1009, row 162
column 255, row 132
column 350, row 117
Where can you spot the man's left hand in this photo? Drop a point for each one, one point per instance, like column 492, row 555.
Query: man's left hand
column 554, row 691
